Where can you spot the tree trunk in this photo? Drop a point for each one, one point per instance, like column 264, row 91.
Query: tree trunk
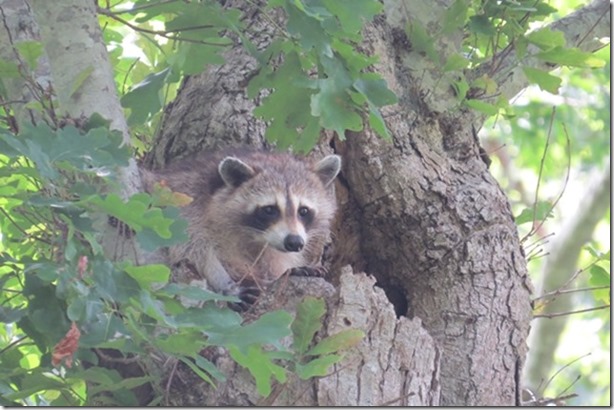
column 77, row 51
column 421, row 214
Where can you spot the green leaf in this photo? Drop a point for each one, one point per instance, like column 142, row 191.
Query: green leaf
column 111, row 283
column 260, row 366
column 96, row 151
column 196, row 369
column 353, row 14
column 339, row 341
column 127, row 383
column 571, row 57
column 307, row 27
column 209, row 367
column 307, row 322
column 460, row 89
column 153, row 308
column 455, row 62
column 455, row 16
column 545, row 38
column 269, row 328
column 543, row 79
column 8, row 69
column 599, row 276
column 209, row 318
column 151, row 239
column 193, row 58
column 317, row 367
column 480, row 24
column 375, row 89
column 30, row 51
column 194, row 293
column 136, row 212
column 377, row 124
column 482, row 107
column 308, row 139
column 422, row 41
column 148, row 274
column 187, row 343
column 145, row 99
column 335, row 109
column 596, row 254
column 542, row 211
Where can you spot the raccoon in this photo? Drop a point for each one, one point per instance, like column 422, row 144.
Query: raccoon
column 254, row 216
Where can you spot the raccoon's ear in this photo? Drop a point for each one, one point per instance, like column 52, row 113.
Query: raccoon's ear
column 328, row 168
column 234, row 172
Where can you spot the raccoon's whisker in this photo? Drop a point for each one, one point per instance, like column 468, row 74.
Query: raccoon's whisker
column 266, row 245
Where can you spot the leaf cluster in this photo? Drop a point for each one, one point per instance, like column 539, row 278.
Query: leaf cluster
column 302, row 359
column 312, row 75
column 497, row 37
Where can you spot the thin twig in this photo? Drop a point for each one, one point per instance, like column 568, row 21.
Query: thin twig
column 10, row 218
column 558, row 198
column 606, row 12
column 13, row 343
column 389, row 402
column 539, row 176
column 155, row 32
column 563, row 368
column 139, row 8
column 562, row 292
column 167, row 389
column 573, row 312
column 574, row 276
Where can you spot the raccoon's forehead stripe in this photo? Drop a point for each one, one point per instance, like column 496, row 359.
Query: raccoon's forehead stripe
column 299, row 201
column 268, row 200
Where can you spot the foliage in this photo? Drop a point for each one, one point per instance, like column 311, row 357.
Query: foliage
column 321, row 82
column 491, row 32
column 55, row 277
column 305, row 363
column 62, row 295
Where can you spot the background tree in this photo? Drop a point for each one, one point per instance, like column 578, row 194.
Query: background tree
column 420, row 210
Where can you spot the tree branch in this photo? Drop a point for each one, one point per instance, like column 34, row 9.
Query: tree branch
column 559, row 272
column 582, row 29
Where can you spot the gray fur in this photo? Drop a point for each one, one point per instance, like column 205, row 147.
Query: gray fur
column 225, row 186
column 234, row 171
column 328, row 168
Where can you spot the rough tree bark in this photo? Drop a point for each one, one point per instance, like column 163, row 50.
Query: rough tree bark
column 421, row 214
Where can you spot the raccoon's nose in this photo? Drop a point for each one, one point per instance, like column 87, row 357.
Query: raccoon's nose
column 293, row 243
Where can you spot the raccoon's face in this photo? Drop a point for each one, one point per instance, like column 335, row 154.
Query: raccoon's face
column 281, row 205
column 284, row 221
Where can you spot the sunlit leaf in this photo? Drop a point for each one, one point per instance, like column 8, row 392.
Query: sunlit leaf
column 307, row 322
column 571, row 57
column 339, row 341
column 543, row 79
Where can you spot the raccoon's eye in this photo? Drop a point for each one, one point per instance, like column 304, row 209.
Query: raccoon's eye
column 268, row 212
column 304, row 212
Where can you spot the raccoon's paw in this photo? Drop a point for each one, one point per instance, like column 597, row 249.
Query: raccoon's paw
column 310, row 271
column 248, row 292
